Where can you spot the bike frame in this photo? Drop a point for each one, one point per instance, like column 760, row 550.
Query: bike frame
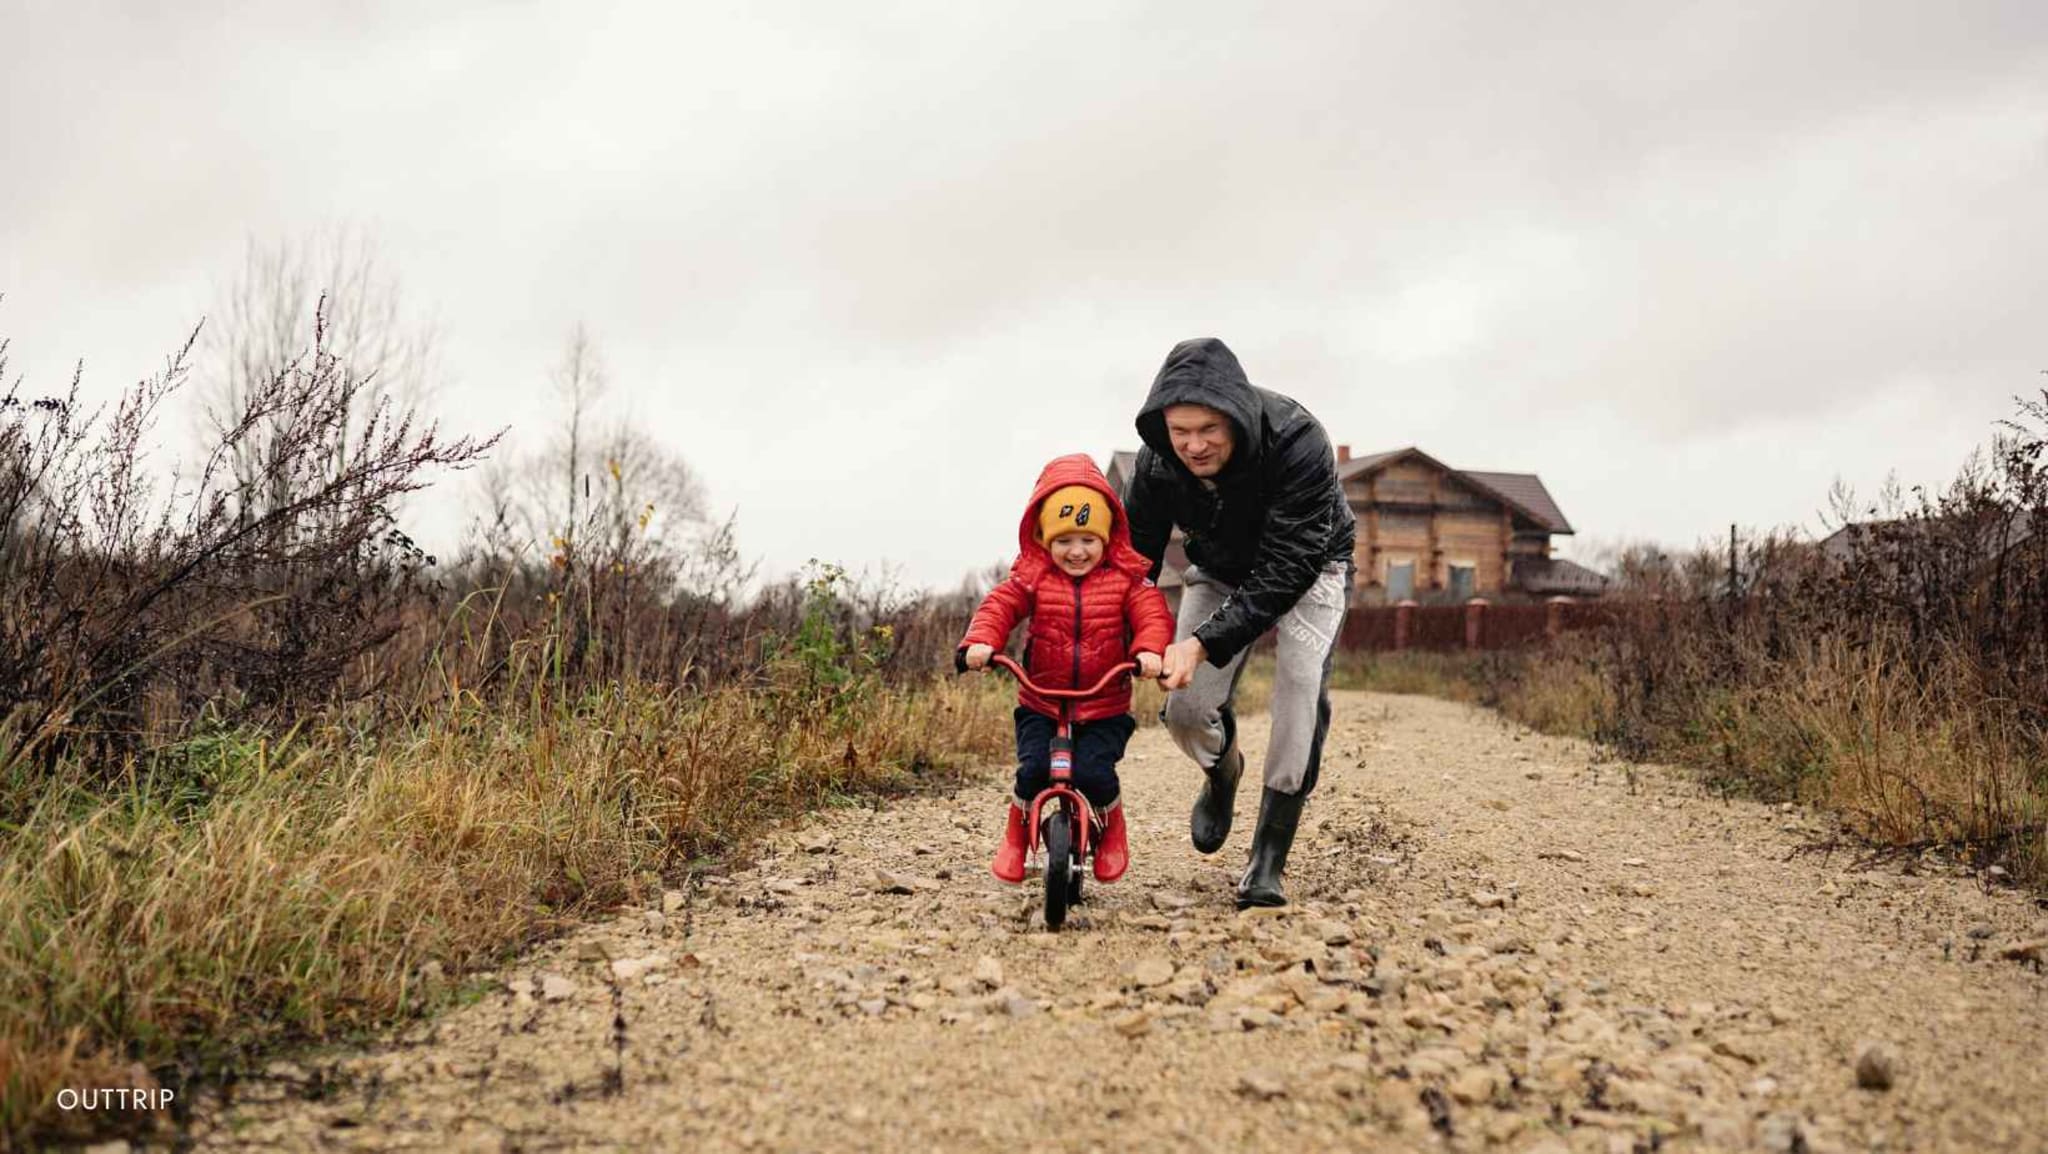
column 1062, row 787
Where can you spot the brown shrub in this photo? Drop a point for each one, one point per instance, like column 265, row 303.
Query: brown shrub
column 1899, row 675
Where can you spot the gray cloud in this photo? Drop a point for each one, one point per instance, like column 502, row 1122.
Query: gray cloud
column 1689, row 264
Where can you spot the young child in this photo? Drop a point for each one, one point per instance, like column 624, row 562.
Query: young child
column 1085, row 590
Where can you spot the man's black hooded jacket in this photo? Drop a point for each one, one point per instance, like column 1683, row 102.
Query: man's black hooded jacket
column 1268, row 523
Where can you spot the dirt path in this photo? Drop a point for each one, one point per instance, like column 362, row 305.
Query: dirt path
column 1497, row 942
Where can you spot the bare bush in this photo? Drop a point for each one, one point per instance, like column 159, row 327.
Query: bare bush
column 266, row 580
column 1897, row 671
column 461, row 755
column 253, row 583
column 333, row 281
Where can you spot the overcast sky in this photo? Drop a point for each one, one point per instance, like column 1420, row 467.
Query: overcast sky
column 868, row 266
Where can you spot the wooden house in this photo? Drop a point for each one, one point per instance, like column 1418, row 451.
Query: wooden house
column 1431, row 533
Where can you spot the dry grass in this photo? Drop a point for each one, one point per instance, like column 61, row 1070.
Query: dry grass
column 1944, row 762
column 1553, row 690
column 1452, row 675
column 243, row 892
column 1455, row 676
column 1899, row 677
column 1910, row 760
column 1912, row 754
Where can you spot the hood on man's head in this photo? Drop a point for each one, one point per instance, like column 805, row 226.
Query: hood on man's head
column 1202, row 371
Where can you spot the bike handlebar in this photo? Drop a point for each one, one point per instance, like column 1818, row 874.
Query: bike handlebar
column 1003, row 661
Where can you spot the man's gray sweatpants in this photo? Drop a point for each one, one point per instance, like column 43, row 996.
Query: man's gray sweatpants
column 1306, row 636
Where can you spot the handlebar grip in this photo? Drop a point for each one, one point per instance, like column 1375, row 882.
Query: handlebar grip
column 960, row 660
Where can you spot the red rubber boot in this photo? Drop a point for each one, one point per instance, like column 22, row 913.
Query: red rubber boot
column 1113, row 852
column 1009, row 863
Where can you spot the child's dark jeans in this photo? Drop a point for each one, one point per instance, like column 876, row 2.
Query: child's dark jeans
column 1098, row 746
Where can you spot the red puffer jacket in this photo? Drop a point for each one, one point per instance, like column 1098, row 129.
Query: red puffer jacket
column 1080, row 627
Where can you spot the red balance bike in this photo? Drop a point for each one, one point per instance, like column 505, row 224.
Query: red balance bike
column 1061, row 824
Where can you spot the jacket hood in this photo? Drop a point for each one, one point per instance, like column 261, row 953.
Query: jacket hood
column 1033, row 559
column 1203, row 371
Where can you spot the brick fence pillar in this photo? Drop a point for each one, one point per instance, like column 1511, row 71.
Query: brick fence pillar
column 1553, row 617
column 1404, row 623
column 1475, row 623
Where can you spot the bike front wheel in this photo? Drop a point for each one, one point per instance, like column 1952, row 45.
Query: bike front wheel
column 1062, row 880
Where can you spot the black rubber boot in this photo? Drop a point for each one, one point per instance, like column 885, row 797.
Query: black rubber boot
column 1209, row 824
column 1279, row 816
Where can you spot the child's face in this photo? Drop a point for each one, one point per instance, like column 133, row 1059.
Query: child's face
column 1076, row 553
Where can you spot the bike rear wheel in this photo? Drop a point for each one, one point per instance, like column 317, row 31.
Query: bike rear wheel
column 1062, row 880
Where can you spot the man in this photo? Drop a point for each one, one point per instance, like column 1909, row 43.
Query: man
column 1249, row 477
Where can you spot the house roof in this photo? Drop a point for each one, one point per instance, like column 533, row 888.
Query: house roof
column 1525, row 492
column 1842, row 544
column 1366, row 464
column 1846, row 542
column 1528, row 491
column 1556, row 575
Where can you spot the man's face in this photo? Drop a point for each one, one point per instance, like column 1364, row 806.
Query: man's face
column 1201, row 438
column 1077, row 553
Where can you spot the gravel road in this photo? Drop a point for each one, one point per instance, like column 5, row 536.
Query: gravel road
column 1498, row 941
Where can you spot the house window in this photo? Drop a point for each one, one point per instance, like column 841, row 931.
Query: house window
column 1464, row 580
column 1400, row 580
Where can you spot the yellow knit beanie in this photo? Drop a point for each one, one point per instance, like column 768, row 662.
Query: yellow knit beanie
column 1074, row 509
